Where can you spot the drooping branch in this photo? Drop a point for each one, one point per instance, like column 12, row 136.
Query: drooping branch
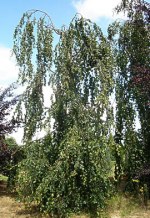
column 51, row 25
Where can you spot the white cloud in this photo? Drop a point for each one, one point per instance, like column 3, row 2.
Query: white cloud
column 8, row 69
column 96, row 9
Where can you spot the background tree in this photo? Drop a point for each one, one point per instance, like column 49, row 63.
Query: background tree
column 7, row 103
column 132, row 83
column 7, row 125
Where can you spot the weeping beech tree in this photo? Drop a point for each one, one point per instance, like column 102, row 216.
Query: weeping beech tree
column 68, row 169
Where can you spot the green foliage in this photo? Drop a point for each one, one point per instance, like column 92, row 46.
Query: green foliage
column 3, row 178
column 11, row 142
column 32, row 170
column 15, row 154
column 131, row 45
column 76, row 180
column 30, row 51
column 6, row 153
column 7, row 103
column 7, row 125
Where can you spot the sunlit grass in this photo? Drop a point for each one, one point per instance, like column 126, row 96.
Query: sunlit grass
column 120, row 206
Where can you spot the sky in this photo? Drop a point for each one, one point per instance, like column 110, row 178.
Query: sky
column 61, row 13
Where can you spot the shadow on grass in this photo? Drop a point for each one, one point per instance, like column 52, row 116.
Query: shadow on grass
column 5, row 192
column 30, row 212
column 20, row 210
